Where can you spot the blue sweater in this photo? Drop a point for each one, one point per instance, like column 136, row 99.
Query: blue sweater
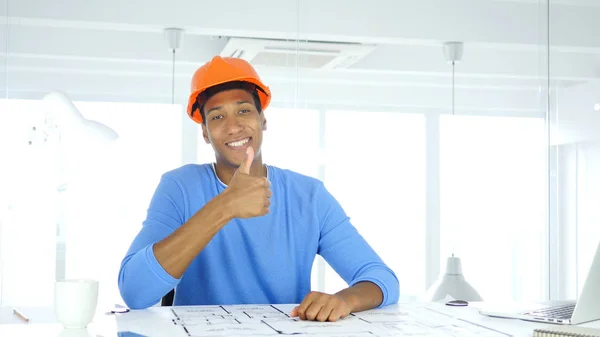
column 262, row 260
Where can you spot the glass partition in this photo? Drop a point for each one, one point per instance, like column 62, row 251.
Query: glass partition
column 432, row 160
column 71, row 205
column 4, row 148
column 427, row 159
column 574, row 145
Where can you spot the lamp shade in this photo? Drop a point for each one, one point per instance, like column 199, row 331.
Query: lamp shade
column 453, row 51
column 71, row 121
column 453, row 284
column 98, row 130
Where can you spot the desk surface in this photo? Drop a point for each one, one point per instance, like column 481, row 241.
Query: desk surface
column 265, row 320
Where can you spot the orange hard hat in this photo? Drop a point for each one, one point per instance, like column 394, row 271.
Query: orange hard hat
column 221, row 70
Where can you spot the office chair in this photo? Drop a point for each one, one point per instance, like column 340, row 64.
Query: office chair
column 167, row 300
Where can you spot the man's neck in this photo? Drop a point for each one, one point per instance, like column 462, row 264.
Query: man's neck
column 225, row 172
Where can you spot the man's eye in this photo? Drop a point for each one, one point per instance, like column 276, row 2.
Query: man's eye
column 217, row 117
column 244, row 111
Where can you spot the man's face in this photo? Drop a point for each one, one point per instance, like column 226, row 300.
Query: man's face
column 232, row 124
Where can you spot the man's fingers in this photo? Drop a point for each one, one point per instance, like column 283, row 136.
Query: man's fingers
column 320, row 307
column 336, row 314
column 306, row 302
column 245, row 166
column 325, row 312
column 319, row 302
column 302, row 309
column 313, row 310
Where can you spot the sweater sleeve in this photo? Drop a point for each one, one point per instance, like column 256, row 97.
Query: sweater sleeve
column 348, row 253
column 142, row 280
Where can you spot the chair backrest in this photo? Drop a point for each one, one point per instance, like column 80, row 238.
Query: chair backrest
column 167, row 300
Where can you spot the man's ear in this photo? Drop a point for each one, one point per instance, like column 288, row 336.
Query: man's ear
column 205, row 134
column 263, row 121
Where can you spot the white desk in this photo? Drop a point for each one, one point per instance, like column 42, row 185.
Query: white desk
column 159, row 321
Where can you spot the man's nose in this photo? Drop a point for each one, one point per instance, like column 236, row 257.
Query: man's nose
column 233, row 125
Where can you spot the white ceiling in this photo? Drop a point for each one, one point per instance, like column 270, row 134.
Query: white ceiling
column 114, row 50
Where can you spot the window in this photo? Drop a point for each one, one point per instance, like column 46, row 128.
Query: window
column 375, row 168
column 291, row 140
column 492, row 175
column 588, row 212
column 28, row 229
column 86, row 211
column 493, row 199
column 116, row 189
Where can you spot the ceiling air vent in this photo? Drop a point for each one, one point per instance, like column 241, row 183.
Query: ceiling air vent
column 291, row 53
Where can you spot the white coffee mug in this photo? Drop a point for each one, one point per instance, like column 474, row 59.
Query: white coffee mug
column 75, row 302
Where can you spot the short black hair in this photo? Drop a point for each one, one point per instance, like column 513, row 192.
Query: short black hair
column 210, row 92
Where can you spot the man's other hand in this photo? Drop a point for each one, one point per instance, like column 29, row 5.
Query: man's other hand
column 322, row 307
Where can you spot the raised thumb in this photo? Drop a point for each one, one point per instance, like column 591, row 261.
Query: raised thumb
column 245, row 166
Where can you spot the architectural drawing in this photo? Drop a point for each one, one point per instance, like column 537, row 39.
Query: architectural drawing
column 272, row 320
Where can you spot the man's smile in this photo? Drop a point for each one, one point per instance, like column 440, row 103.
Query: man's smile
column 239, row 144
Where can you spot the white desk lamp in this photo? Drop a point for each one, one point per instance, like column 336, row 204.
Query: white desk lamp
column 452, row 283
column 77, row 134
column 61, row 120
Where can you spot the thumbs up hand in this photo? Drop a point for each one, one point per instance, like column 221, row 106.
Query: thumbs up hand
column 249, row 196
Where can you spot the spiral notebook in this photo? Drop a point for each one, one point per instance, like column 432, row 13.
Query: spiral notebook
column 570, row 331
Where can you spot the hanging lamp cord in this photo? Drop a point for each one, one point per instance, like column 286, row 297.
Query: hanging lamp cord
column 173, row 80
column 453, row 88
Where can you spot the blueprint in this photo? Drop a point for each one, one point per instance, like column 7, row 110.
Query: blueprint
column 272, row 320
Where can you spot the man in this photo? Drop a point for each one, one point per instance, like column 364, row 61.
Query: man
column 241, row 232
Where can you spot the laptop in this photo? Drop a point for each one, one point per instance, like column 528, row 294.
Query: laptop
column 585, row 309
